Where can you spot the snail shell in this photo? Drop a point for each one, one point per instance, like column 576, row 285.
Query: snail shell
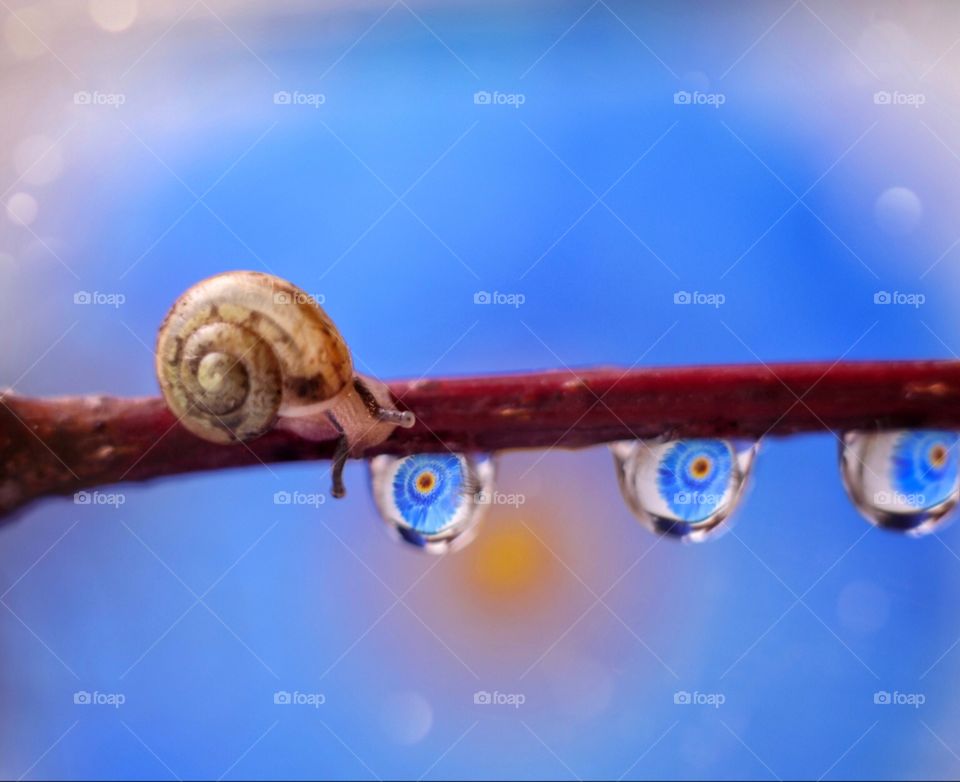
column 240, row 349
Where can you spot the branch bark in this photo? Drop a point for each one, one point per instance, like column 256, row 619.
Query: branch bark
column 63, row 445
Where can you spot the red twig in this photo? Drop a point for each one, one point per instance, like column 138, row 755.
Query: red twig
column 59, row 446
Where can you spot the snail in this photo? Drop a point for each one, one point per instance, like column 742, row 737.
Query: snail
column 244, row 352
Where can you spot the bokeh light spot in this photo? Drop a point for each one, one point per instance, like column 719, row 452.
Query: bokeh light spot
column 22, row 208
column 407, row 717
column 898, row 211
column 114, row 16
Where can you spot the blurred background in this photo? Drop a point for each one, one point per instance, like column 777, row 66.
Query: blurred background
column 798, row 160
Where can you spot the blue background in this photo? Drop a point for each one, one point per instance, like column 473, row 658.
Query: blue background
column 796, row 618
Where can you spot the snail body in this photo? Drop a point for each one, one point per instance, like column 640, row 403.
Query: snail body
column 243, row 352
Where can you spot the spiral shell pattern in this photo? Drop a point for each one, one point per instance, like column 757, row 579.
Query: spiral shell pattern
column 238, row 349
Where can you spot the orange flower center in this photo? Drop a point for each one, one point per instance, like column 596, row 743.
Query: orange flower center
column 425, row 482
column 938, row 455
column 700, row 467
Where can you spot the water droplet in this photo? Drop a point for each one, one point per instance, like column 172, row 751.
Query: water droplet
column 906, row 480
column 432, row 500
column 685, row 488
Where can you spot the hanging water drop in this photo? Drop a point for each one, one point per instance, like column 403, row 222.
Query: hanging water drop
column 906, row 480
column 684, row 488
column 432, row 500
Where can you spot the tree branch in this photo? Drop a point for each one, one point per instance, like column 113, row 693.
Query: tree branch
column 59, row 446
